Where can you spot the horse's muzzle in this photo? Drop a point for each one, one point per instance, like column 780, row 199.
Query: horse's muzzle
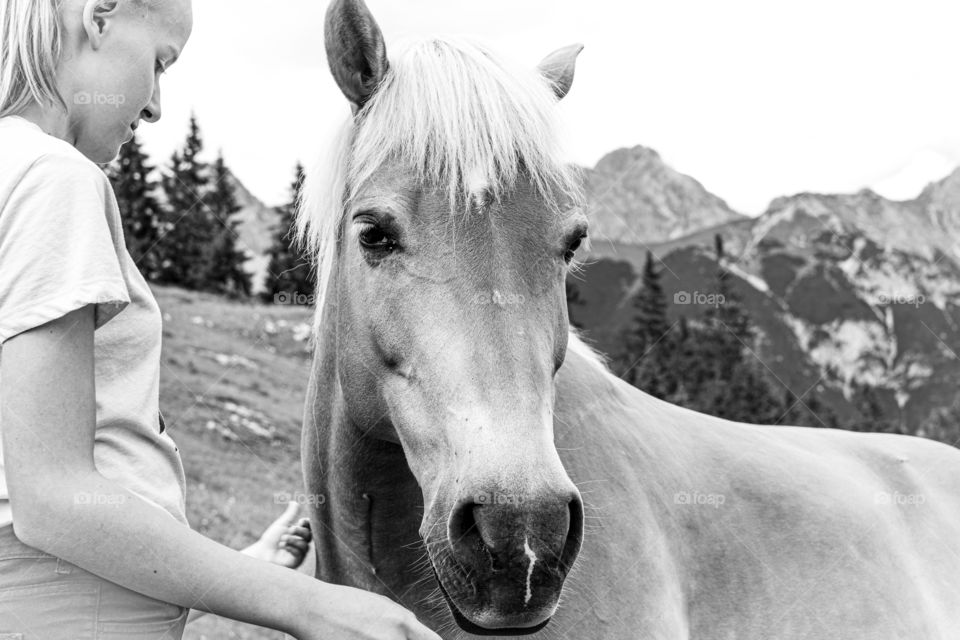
column 509, row 559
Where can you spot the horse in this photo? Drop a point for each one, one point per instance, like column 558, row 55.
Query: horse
column 471, row 457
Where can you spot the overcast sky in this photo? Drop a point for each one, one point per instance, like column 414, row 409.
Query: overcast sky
column 755, row 99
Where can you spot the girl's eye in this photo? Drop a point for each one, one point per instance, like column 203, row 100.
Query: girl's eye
column 373, row 238
column 159, row 67
column 572, row 249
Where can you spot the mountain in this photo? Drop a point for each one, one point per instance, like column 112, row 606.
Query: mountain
column 257, row 222
column 844, row 289
column 633, row 196
column 940, row 203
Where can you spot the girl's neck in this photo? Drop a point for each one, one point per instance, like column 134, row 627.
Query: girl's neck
column 51, row 121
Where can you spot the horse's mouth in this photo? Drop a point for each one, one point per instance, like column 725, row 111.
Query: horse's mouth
column 475, row 629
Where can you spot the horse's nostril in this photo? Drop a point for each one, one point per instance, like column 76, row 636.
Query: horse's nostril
column 463, row 530
column 571, row 547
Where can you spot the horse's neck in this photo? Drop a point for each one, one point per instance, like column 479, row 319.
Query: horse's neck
column 372, row 505
column 622, row 446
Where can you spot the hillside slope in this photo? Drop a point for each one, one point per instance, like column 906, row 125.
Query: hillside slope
column 232, row 387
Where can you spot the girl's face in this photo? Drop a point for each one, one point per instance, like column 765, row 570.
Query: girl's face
column 110, row 79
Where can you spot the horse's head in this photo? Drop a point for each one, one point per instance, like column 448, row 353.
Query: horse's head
column 443, row 260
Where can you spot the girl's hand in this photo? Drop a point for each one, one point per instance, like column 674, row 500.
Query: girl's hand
column 340, row 612
column 286, row 541
column 346, row 613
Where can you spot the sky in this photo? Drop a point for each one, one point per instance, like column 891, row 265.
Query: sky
column 754, row 99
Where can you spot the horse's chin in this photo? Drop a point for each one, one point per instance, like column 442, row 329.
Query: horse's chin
column 476, row 629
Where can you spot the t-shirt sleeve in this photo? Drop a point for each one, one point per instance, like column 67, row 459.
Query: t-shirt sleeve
column 57, row 251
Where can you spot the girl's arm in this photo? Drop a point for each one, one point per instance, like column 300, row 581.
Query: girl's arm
column 285, row 543
column 49, row 418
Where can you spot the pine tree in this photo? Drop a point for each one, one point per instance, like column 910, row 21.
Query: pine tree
column 644, row 362
column 809, row 411
column 823, row 414
column 225, row 273
column 187, row 244
column 728, row 322
column 289, row 270
column 872, row 417
column 794, row 411
column 748, row 396
column 717, row 372
column 943, row 425
column 139, row 209
column 692, row 372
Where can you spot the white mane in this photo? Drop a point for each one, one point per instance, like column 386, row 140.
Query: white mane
column 577, row 345
column 453, row 113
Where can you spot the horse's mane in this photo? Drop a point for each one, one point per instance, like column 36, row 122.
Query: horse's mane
column 578, row 345
column 457, row 117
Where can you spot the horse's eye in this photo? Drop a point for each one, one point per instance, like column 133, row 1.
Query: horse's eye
column 374, row 238
column 572, row 249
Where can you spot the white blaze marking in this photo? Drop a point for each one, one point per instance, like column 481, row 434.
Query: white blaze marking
column 533, row 560
column 478, row 186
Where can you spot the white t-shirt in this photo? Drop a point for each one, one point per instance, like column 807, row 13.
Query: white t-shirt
column 62, row 248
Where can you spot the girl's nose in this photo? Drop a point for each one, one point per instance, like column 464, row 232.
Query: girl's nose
column 151, row 113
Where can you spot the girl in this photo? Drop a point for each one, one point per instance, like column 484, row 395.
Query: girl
column 96, row 542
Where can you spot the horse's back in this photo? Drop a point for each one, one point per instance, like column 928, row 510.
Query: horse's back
column 824, row 533
column 771, row 532
column 847, row 532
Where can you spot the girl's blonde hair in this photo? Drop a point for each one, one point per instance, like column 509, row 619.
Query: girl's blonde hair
column 30, row 44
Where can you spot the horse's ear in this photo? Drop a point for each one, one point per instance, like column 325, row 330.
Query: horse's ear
column 558, row 68
column 355, row 50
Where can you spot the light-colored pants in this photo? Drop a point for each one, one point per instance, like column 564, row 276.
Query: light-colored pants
column 45, row 598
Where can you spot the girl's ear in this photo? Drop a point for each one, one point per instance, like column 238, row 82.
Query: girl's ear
column 355, row 50
column 97, row 15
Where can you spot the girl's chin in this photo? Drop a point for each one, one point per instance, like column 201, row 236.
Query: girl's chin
column 104, row 154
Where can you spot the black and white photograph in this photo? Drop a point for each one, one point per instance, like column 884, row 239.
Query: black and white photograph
column 448, row 319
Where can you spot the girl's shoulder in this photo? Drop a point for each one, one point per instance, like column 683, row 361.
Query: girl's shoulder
column 61, row 239
column 28, row 149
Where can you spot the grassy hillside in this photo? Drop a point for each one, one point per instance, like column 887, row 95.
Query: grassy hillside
column 232, row 388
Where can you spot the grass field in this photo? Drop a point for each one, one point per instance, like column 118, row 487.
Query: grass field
column 232, row 387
